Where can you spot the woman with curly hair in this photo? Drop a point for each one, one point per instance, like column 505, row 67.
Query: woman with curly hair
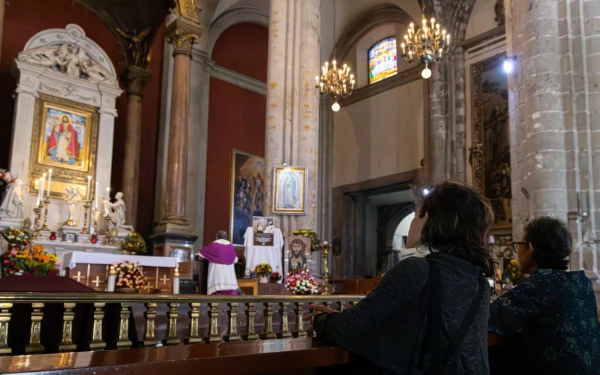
column 427, row 315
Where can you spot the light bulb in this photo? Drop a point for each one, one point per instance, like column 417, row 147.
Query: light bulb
column 508, row 66
column 426, row 73
column 335, row 107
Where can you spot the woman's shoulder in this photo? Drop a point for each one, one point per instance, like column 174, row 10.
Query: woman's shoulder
column 413, row 267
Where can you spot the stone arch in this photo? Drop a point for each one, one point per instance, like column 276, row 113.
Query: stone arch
column 374, row 17
column 244, row 14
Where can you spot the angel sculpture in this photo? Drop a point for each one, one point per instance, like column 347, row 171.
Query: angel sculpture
column 46, row 56
column 137, row 47
column 69, row 60
column 96, row 72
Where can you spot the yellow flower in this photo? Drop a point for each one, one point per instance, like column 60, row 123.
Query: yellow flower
column 512, row 261
column 52, row 257
column 296, row 232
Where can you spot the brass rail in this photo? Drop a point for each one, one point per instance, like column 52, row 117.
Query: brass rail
column 199, row 308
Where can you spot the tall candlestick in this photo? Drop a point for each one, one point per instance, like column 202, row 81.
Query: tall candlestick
column 49, row 181
column 87, row 195
column 96, row 194
column 112, row 278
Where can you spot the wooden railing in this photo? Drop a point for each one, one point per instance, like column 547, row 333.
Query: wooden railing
column 57, row 322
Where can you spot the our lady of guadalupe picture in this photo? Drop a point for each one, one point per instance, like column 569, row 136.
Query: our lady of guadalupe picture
column 289, row 190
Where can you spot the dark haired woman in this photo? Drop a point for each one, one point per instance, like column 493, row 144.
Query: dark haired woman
column 554, row 310
column 427, row 315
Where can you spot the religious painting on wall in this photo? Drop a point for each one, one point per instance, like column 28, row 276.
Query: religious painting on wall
column 490, row 150
column 289, row 190
column 264, row 231
column 298, row 254
column 64, row 140
column 247, row 193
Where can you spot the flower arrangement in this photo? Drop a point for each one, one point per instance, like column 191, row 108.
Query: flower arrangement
column 302, row 284
column 263, row 270
column 133, row 243
column 312, row 234
column 28, row 261
column 130, row 276
column 6, row 178
column 16, row 237
column 276, row 276
column 513, row 272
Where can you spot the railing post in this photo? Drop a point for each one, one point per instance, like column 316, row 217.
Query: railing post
column 97, row 343
column 194, row 314
column 250, row 316
column 124, row 342
column 341, row 306
column 268, row 322
column 232, row 335
column 66, row 343
column 36, row 328
column 213, row 329
column 4, row 321
column 172, row 338
column 300, row 332
column 149, row 338
column 283, row 311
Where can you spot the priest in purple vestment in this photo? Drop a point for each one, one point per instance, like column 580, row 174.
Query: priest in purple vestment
column 221, row 272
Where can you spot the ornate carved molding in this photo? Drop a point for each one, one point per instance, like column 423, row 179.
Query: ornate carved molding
column 181, row 39
column 188, row 9
column 235, row 78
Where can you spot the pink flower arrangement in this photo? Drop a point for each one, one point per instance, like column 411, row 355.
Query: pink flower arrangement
column 302, row 284
column 130, row 275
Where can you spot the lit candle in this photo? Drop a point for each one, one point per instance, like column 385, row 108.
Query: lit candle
column 87, row 196
column 176, row 281
column 403, row 49
column 108, row 193
column 112, row 278
column 49, row 181
column 96, row 194
column 317, row 79
column 37, row 203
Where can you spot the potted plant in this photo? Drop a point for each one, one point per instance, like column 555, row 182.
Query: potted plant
column 16, row 238
column 29, row 261
column 302, row 284
column 133, row 243
column 263, row 271
column 275, row 277
column 130, row 278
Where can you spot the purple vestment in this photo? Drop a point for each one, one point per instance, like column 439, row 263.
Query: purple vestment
column 219, row 253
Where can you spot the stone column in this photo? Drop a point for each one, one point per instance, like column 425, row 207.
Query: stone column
column 135, row 79
column 174, row 219
column 292, row 128
column 555, row 119
column 438, row 129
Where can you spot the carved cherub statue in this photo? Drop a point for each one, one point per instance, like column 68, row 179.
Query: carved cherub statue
column 117, row 212
column 12, row 205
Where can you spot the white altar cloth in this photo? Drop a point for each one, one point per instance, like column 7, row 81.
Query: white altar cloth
column 75, row 257
column 256, row 255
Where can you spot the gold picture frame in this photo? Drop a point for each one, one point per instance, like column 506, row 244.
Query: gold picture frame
column 289, row 190
column 490, row 149
column 64, row 139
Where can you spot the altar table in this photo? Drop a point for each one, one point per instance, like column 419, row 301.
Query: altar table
column 272, row 255
column 91, row 269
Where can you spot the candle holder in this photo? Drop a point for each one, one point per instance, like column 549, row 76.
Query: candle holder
column 86, row 208
column 36, row 224
column 107, row 236
column 96, row 216
column 46, row 209
column 325, row 285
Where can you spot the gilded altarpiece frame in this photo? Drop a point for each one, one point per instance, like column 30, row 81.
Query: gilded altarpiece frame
column 490, row 139
column 70, row 154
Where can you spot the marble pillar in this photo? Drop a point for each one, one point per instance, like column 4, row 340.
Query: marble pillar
column 438, row 129
column 135, row 79
column 292, row 126
column 555, row 119
column 174, row 219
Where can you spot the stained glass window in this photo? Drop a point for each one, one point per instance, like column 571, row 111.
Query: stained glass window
column 383, row 60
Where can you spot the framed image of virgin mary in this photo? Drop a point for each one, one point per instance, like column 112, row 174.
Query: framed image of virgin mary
column 289, row 190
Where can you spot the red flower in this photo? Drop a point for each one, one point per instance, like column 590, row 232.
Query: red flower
column 27, row 274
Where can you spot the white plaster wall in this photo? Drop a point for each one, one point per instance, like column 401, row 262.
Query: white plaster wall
column 379, row 136
column 402, row 230
column 482, row 18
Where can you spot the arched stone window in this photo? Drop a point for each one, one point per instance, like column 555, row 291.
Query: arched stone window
column 383, row 60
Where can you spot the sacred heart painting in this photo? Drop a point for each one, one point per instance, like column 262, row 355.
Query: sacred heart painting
column 289, row 190
column 65, row 137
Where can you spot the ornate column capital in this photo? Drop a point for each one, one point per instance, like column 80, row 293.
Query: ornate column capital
column 135, row 79
column 183, row 35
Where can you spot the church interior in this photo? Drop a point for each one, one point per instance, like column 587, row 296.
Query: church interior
column 141, row 137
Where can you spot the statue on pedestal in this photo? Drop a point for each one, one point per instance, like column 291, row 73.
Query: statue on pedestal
column 116, row 211
column 12, row 205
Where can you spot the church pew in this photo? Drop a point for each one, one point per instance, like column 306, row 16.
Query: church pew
column 288, row 356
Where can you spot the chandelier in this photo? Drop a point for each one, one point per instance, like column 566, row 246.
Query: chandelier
column 428, row 44
column 336, row 79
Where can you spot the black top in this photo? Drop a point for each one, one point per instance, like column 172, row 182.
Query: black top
column 557, row 315
column 384, row 327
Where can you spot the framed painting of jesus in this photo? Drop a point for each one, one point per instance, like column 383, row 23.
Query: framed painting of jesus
column 64, row 140
column 289, row 190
